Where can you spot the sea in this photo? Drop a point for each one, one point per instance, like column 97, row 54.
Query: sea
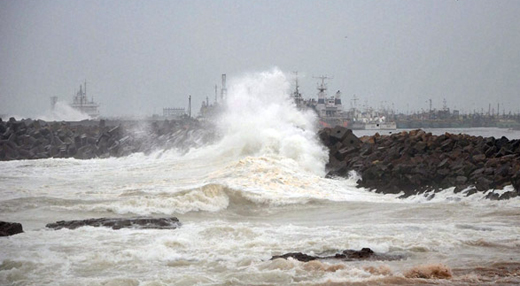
column 259, row 190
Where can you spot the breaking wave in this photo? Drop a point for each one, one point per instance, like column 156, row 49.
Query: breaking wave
column 261, row 119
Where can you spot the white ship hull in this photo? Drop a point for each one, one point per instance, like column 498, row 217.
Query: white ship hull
column 375, row 126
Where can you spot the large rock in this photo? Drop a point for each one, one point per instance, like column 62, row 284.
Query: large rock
column 118, row 223
column 10, row 228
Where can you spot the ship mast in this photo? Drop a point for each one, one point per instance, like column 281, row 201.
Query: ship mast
column 297, row 95
column 223, row 91
column 322, row 88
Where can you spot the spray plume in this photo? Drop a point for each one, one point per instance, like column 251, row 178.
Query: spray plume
column 261, row 119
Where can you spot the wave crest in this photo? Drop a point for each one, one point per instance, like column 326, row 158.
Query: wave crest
column 262, row 119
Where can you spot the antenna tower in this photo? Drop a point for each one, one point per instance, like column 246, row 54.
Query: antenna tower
column 216, row 93
column 54, row 100
column 189, row 106
column 223, row 91
column 296, row 82
column 322, row 87
column 354, row 99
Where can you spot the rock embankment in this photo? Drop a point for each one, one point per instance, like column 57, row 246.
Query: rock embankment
column 415, row 162
column 37, row 139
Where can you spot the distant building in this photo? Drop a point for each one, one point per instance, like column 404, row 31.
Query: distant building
column 173, row 113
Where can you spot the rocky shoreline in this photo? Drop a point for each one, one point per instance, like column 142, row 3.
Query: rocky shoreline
column 411, row 162
column 417, row 162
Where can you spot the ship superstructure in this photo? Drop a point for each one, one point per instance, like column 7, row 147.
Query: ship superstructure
column 329, row 109
column 81, row 103
column 331, row 113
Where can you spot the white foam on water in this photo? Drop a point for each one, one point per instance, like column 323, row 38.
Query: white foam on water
column 221, row 251
column 258, row 192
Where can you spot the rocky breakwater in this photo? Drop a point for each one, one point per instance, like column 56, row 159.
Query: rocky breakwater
column 417, row 162
column 37, row 139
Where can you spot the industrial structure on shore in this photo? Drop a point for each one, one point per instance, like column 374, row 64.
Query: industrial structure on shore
column 208, row 110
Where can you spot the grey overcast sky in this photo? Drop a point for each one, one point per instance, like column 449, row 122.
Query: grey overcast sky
column 141, row 56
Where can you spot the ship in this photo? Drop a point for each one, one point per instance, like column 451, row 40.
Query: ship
column 373, row 125
column 370, row 120
column 330, row 111
column 81, row 103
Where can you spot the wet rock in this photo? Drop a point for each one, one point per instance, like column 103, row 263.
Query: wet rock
column 346, row 255
column 118, row 223
column 414, row 162
column 339, row 133
column 508, row 195
column 296, row 255
column 10, row 228
column 460, row 180
column 515, row 180
column 483, row 184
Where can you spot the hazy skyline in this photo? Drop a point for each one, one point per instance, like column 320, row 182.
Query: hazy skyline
column 141, row 56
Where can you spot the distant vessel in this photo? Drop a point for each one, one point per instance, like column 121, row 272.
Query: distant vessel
column 374, row 125
column 371, row 119
column 82, row 104
column 330, row 111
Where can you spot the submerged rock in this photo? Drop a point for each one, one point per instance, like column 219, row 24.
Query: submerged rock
column 10, row 228
column 296, row 255
column 118, row 223
column 346, row 255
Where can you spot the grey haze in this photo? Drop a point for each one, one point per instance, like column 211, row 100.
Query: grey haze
column 141, row 56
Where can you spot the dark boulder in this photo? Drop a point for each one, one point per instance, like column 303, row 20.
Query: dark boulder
column 10, row 228
column 118, row 223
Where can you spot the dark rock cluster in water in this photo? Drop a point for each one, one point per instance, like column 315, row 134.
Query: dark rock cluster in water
column 10, row 228
column 346, row 255
column 415, row 162
column 37, row 139
column 118, row 223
